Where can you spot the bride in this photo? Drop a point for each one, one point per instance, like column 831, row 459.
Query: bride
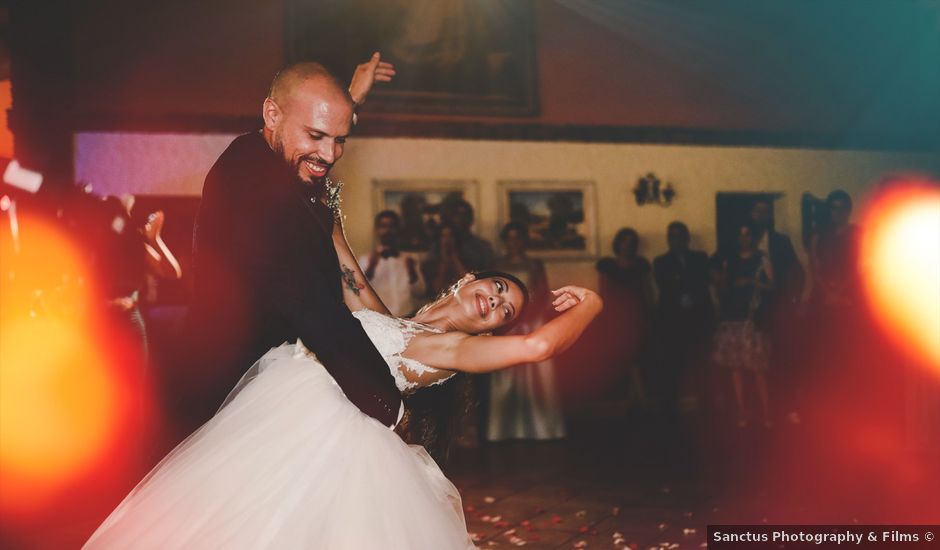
column 288, row 462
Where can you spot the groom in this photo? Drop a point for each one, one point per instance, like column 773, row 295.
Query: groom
column 264, row 265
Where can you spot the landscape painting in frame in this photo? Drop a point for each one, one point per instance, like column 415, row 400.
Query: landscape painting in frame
column 559, row 216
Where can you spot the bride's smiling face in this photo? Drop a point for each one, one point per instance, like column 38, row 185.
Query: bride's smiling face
column 484, row 305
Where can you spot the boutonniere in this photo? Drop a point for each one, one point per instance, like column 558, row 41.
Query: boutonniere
column 333, row 198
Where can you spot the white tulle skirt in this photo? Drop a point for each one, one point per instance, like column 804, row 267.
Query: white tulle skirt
column 288, row 463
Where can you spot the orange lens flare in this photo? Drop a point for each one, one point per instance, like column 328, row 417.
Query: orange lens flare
column 901, row 270
column 59, row 400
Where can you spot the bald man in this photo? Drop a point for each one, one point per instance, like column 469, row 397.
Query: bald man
column 264, row 265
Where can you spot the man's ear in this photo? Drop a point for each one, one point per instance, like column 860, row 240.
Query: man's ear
column 271, row 113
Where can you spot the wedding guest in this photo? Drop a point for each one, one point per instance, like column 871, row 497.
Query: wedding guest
column 395, row 275
column 778, row 248
column 743, row 279
column 684, row 315
column 834, row 257
column 523, row 400
column 474, row 251
column 446, row 262
column 626, row 286
column 780, row 311
column 129, row 251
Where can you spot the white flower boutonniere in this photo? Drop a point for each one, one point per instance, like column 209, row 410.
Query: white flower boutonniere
column 333, row 198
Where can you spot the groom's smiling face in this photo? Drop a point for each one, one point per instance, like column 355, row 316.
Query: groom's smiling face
column 308, row 126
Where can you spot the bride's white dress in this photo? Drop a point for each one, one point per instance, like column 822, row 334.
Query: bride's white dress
column 289, row 462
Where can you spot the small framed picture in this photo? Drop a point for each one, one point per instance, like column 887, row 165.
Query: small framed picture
column 419, row 202
column 560, row 216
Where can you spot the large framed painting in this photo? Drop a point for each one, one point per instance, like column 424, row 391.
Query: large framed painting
column 560, row 216
column 451, row 56
column 419, row 203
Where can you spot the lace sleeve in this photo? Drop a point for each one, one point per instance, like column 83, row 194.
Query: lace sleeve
column 391, row 337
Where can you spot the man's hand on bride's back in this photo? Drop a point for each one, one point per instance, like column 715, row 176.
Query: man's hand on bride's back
column 569, row 296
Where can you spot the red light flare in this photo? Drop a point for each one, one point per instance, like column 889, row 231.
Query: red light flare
column 865, row 449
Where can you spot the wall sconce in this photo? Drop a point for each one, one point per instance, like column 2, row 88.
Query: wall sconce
column 650, row 190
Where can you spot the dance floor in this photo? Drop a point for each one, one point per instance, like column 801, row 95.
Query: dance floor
column 609, row 486
column 628, row 483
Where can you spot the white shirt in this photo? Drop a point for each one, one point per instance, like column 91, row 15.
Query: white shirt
column 390, row 281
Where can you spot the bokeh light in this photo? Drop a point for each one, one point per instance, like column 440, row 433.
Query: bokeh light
column 901, row 272
column 59, row 398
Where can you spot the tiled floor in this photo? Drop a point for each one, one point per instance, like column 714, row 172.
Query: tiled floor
column 627, row 483
column 577, row 493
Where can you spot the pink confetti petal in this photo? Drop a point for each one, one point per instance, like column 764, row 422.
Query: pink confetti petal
column 516, row 541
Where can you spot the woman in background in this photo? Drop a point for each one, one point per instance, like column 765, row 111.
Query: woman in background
column 626, row 287
column 524, row 401
column 740, row 346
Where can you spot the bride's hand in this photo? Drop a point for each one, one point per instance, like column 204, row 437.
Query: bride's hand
column 569, row 296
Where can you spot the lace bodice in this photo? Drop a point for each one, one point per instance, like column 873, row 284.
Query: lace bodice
column 391, row 336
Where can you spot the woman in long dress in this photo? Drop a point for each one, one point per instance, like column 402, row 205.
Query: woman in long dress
column 289, row 462
column 524, row 401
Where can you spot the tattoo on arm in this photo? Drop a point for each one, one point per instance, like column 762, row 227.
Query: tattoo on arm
column 349, row 278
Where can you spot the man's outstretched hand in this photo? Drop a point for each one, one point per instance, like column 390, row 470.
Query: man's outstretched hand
column 367, row 74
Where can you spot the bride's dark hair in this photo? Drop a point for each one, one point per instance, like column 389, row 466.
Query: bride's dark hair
column 490, row 274
column 440, row 411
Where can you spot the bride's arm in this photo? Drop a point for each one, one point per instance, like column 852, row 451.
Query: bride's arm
column 478, row 354
column 357, row 292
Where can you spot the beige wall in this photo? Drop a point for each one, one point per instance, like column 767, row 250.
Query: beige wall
column 697, row 173
column 176, row 164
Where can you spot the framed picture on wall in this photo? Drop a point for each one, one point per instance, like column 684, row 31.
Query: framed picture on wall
column 419, row 203
column 450, row 56
column 560, row 216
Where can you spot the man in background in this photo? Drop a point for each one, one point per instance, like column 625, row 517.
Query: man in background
column 393, row 274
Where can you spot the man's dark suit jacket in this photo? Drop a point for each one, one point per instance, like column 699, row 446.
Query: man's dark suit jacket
column 679, row 275
column 266, row 273
column 788, row 272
